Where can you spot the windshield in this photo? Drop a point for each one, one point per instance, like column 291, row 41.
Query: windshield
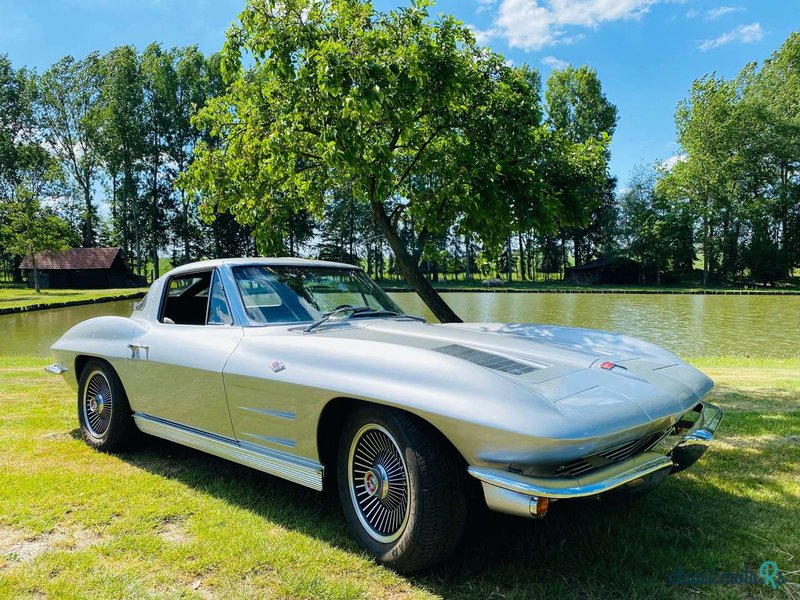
column 273, row 295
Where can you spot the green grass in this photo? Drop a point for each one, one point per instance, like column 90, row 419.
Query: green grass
column 13, row 296
column 168, row 522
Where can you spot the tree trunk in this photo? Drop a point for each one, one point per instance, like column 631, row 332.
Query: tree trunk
column 509, row 259
column 154, row 217
column 468, row 253
column 186, row 258
column 410, row 269
column 88, row 240
column 521, row 256
column 36, row 285
column 705, row 249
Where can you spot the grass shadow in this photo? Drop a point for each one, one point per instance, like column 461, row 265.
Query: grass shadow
column 583, row 548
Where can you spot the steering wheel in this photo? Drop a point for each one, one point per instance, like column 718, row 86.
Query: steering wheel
column 341, row 306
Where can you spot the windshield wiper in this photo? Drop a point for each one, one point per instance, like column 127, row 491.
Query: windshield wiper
column 342, row 309
column 356, row 311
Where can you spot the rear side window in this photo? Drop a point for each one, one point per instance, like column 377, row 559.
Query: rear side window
column 186, row 299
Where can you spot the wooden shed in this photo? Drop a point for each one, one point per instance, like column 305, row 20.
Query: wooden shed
column 612, row 269
column 83, row 268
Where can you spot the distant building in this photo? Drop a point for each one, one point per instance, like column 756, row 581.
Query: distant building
column 95, row 268
column 612, row 269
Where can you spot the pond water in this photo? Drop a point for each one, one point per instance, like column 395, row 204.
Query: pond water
column 689, row 325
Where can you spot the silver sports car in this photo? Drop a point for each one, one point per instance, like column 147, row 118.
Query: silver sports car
column 308, row 371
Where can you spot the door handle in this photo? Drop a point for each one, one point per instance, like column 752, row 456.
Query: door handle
column 134, row 347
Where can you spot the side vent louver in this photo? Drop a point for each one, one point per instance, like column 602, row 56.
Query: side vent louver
column 486, row 359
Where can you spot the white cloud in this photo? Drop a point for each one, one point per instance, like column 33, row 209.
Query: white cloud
column 743, row 34
column 482, row 36
column 484, row 5
column 668, row 164
column 554, row 63
column 712, row 14
column 715, row 13
column 534, row 24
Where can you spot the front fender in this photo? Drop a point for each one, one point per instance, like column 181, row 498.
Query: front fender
column 103, row 337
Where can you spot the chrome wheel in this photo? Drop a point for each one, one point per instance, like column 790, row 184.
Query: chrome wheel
column 378, row 482
column 97, row 404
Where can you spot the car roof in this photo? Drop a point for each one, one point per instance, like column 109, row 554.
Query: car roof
column 285, row 261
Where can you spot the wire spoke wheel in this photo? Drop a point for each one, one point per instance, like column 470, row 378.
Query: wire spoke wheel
column 97, row 404
column 378, row 482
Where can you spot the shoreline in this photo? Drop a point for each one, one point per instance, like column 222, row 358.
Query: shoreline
column 678, row 292
column 69, row 303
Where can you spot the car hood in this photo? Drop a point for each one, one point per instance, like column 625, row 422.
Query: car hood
column 579, row 371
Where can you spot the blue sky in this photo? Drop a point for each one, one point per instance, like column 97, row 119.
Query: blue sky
column 647, row 52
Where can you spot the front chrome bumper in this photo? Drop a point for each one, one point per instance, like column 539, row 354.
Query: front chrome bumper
column 516, row 494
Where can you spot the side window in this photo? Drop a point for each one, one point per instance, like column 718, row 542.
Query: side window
column 186, row 299
column 218, row 310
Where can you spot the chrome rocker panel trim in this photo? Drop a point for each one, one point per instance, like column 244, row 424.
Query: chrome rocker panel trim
column 513, row 493
column 292, row 468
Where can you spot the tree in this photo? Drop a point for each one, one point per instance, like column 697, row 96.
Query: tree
column 121, row 135
column 66, row 96
column 159, row 114
column 577, row 106
column 653, row 230
column 701, row 177
column 395, row 105
column 197, row 80
column 29, row 227
column 15, row 118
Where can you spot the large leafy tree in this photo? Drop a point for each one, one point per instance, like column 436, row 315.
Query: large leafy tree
column 15, row 118
column 577, row 106
column 122, row 142
column 28, row 226
column 701, row 178
column 159, row 113
column 197, row 79
column 66, row 96
column 405, row 110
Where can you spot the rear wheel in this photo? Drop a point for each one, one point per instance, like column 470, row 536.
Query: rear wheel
column 104, row 414
column 402, row 488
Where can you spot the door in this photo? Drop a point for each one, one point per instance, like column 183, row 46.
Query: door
column 177, row 361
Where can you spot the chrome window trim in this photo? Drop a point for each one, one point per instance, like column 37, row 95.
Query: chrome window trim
column 214, row 277
column 165, row 293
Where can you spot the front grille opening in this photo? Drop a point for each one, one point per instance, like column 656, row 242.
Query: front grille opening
column 592, row 462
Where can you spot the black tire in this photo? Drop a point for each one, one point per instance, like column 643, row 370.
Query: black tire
column 422, row 488
column 104, row 414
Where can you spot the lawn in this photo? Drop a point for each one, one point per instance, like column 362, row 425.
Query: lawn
column 13, row 296
column 168, row 522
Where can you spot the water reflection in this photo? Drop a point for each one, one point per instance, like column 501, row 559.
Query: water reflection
column 688, row 325
column 691, row 325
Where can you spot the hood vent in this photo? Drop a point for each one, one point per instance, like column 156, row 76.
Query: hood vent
column 486, row 359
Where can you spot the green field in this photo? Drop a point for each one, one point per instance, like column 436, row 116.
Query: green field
column 168, row 522
column 14, row 296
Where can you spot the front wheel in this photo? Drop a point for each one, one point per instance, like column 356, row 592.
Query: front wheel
column 402, row 488
column 104, row 414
